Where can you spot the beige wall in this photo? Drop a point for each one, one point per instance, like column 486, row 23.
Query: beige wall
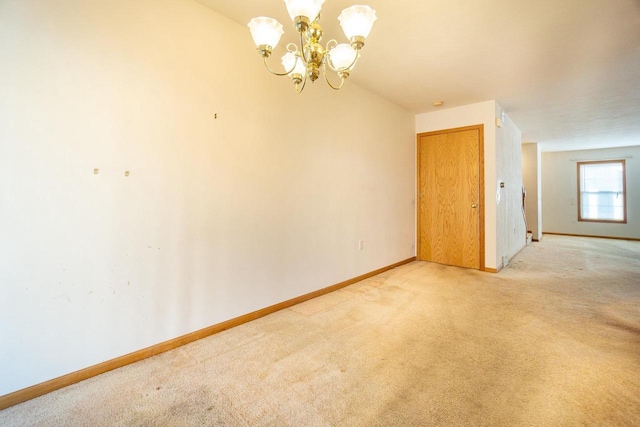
column 560, row 192
column 510, row 223
column 532, row 179
column 218, row 218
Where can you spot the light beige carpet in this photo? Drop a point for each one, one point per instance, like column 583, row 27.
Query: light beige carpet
column 552, row 340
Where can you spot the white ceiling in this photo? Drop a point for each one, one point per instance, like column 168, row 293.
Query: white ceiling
column 566, row 71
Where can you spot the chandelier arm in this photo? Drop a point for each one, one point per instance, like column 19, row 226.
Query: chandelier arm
column 326, row 79
column 280, row 74
column 328, row 46
column 304, row 83
column 348, row 67
column 327, row 49
column 354, row 60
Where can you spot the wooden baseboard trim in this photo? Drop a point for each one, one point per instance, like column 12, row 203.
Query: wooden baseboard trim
column 633, row 239
column 57, row 383
column 492, row 270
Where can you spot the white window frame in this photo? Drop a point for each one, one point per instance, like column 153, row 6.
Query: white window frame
column 623, row 195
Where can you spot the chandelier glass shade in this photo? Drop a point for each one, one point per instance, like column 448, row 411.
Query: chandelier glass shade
column 310, row 59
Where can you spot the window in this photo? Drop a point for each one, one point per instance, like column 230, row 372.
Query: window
column 601, row 191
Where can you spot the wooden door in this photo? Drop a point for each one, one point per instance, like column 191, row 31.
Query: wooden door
column 450, row 197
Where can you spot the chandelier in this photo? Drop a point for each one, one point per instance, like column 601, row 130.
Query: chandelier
column 311, row 58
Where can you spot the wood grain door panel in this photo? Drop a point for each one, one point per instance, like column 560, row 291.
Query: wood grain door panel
column 449, row 175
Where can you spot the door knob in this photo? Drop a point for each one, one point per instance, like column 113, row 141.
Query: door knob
column 474, row 206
